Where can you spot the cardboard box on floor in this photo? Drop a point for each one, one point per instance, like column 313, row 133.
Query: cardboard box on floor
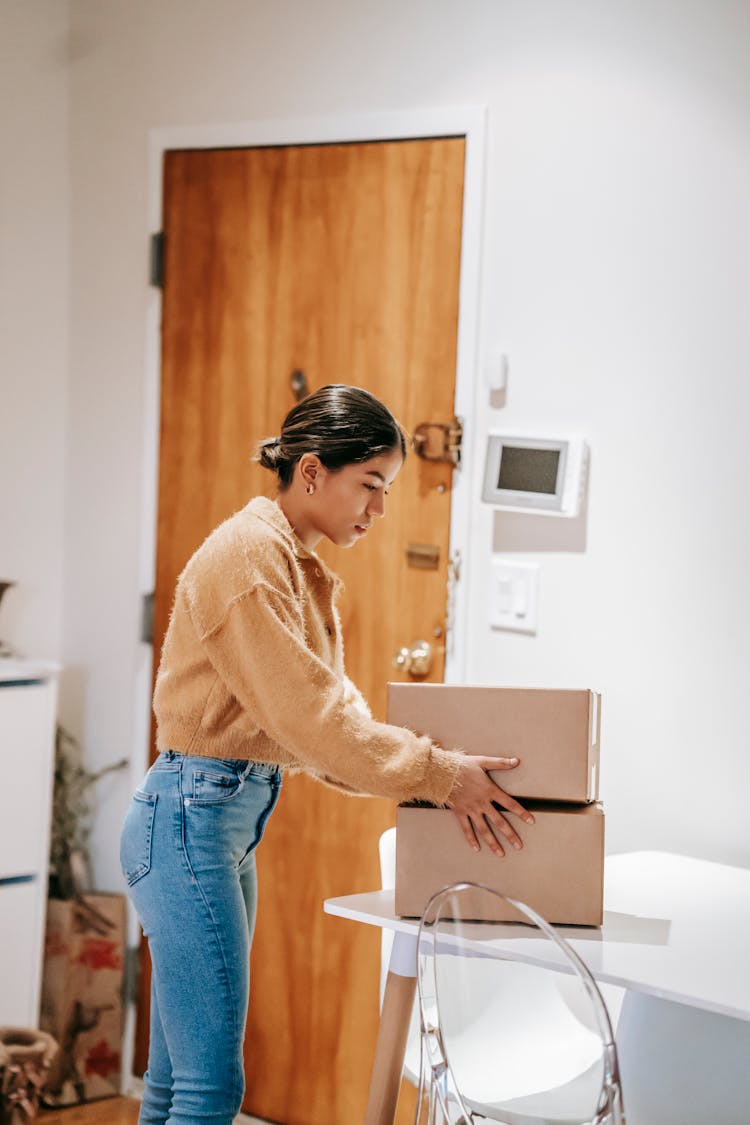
column 559, row 871
column 554, row 733
column 82, row 997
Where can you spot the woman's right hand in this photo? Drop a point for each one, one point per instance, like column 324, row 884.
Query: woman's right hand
column 473, row 799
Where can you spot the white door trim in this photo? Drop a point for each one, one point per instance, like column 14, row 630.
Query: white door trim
column 467, row 121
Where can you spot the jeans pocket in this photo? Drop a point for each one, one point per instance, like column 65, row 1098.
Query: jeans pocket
column 135, row 842
column 215, row 786
column 274, row 788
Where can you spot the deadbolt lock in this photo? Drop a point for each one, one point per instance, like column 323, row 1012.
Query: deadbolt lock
column 416, row 658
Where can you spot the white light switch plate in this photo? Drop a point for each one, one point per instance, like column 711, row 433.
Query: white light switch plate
column 514, row 596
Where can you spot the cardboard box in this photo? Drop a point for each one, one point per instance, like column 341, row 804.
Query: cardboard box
column 559, row 871
column 82, row 997
column 554, row 733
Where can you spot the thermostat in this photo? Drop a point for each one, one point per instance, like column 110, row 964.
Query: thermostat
column 546, row 476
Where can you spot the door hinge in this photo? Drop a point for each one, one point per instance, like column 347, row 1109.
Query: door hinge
column 439, row 441
column 147, row 618
column 131, row 974
column 156, row 260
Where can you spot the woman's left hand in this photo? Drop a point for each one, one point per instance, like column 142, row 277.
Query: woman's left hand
column 474, row 800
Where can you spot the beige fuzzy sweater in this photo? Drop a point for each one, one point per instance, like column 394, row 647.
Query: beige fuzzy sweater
column 252, row 667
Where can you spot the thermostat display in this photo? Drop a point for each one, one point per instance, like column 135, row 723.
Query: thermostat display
column 532, row 474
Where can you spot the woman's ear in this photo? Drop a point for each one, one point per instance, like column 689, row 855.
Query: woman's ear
column 310, row 468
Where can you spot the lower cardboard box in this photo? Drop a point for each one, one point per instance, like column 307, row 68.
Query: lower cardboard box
column 559, row 871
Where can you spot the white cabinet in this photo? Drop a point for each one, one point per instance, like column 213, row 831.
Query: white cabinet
column 28, row 709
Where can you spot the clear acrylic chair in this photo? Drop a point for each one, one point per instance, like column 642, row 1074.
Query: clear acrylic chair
column 523, row 1040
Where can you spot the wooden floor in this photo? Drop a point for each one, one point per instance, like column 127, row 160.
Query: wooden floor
column 108, row 1111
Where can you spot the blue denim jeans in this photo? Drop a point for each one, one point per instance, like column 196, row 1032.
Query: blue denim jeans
column 187, row 852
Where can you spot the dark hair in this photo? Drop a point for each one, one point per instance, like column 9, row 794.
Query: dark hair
column 343, row 425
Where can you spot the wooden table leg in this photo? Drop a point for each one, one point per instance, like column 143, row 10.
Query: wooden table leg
column 388, row 1063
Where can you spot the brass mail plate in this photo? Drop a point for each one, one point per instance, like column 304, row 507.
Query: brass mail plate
column 425, row 556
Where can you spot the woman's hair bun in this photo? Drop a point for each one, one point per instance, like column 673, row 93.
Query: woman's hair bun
column 268, row 453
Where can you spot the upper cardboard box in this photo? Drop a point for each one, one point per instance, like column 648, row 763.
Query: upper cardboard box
column 554, row 733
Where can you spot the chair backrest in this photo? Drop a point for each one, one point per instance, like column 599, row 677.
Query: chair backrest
column 387, row 855
column 519, row 1035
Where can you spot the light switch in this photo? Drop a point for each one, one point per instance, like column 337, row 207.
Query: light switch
column 514, row 596
column 503, row 594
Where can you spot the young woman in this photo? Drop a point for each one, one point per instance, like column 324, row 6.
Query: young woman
column 251, row 682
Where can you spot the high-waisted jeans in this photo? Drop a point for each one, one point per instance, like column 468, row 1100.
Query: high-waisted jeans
column 187, row 852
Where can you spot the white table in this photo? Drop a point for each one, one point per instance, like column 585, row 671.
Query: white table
column 676, row 935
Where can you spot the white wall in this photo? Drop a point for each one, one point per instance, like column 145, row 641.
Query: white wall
column 618, row 251
column 615, row 274
column 34, row 288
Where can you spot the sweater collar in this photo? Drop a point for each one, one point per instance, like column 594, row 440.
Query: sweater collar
column 270, row 512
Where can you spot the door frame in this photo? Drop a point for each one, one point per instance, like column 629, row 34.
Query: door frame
column 466, row 121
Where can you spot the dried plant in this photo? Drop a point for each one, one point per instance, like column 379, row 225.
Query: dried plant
column 72, row 813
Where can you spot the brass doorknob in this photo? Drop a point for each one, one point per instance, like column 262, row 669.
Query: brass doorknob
column 416, row 658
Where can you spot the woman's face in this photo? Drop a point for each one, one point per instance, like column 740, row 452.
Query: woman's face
column 346, row 502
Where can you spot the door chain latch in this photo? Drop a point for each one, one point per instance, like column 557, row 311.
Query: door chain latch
column 439, row 441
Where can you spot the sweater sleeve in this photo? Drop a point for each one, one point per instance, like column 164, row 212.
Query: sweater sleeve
column 259, row 652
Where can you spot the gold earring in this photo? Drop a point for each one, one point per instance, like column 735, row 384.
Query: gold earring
column 310, row 489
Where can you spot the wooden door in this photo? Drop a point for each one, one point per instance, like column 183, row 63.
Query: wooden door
column 341, row 261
